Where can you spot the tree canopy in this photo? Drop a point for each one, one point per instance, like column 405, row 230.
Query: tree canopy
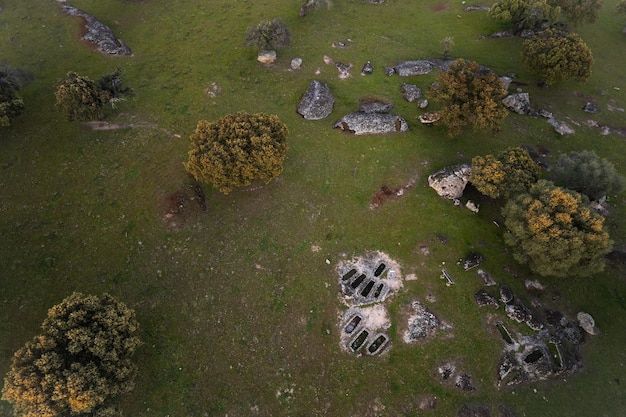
column 555, row 232
column 268, row 35
column 621, row 7
column 470, row 96
column 580, row 11
column 80, row 98
column 80, row 362
column 512, row 172
column 557, row 56
column 11, row 104
column 238, row 149
column 587, row 173
column 525, row 14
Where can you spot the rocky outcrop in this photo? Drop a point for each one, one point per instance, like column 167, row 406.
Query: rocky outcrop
column 266, row 57
column 317, row 102
column 587, row 323
column 361, row 123
column 412, row 68
column 450, row 181
column 519, row 103
column 411, row 92
column 98, row 34
column 560, row 127
column 375, row 106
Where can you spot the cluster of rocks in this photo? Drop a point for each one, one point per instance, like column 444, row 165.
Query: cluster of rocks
column 520, row 103
column 98, row 34
column 448, row 372
column 450, row 182
column 421, row 324
column 553, row 348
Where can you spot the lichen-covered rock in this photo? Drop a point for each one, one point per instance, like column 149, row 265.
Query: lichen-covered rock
column 98, row 34
column 411, row 92
column 518, row 102
column 587, row 323
column 317, row 102
column 421, row 324
column 361, row 123
column 506, row 294
column 411, row 68
column 450, row 181
column 367, row 69
column 561, row 128
column 484, row 299
column 429, row 118
column 375, row 106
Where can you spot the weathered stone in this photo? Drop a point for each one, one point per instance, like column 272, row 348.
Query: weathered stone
column 422, row 103
column 483, row 299
column 296, row 63
column 471, row 206
column 472, row 260
column 411, row 92
column 389, row 71
column 266, row 57
column 518, row 102
column 375, row 106
column 561, row 128
column 587, row 323
column 367, row 69
column 506, row 294
column 517, row 312
column 372, row 123
column 506, row 82
column 412, row 68
column 421, row 324
column 464, row 382
column 317, row 102
column 533, row 285
column 590, row 107
column 344, row 70
column 545, row 114
column 429, row 118
column 98, row 34
column 450, row 181
column 487, row 280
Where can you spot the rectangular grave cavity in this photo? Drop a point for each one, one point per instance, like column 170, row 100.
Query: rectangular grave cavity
column 368, row 279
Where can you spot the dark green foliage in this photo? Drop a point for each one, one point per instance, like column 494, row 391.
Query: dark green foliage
column 11, row 104
column 512, row 172
column 80, row 98
column 113, row 86
column 621, row 7
column 580, row 11
column 268, row 35
column 588, row 174
column 469, row 96
column 80, row 362
column 557, row 56
column 238, row 149
column 525, row 14
column 555, row 232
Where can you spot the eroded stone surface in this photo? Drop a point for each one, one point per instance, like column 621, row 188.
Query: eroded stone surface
column 450, row 181
column 361, row 123
column 317, row 102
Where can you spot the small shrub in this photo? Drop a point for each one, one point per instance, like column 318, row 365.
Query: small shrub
column 268, row 35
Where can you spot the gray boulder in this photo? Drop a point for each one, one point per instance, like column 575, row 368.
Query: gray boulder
column 361, row 123
column 411, row 68
column 98, row 34
column 519, row 103
column 561, row 128
column 411, row 92
column 451, row 181
column 590, row 107
column 375, row 106
column 317, row 101
column 266, row 57
column 367, row 69
column 296, row 63
column 587, row 323
column 483, row 298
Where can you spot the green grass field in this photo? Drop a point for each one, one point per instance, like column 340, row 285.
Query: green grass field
column 238, row 314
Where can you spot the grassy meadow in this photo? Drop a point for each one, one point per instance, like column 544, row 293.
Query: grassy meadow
column 238, row 304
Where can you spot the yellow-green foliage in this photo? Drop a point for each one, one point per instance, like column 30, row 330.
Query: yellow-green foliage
column 555, row 232
column 238, row 149
column 469, row 97
column 557, row 56
column 511, row 173
column 79, row 98
column 11, row 105
column 80, row 362
column 525, row 14
column 580, row 11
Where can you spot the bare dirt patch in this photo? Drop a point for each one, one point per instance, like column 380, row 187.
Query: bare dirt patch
column 385, row 193
column 440, row 7
column 177, row 207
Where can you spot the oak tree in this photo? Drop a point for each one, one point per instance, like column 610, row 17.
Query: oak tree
column 11, row 104
column 79, row 364
column 237, row 149
column 525, row 14
column 580, row 11
column 512, row 172
column 587, row 173
column 556, row 56
column 555, row 232
column 80, row 98
column 268, row 35
column 470, row 95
